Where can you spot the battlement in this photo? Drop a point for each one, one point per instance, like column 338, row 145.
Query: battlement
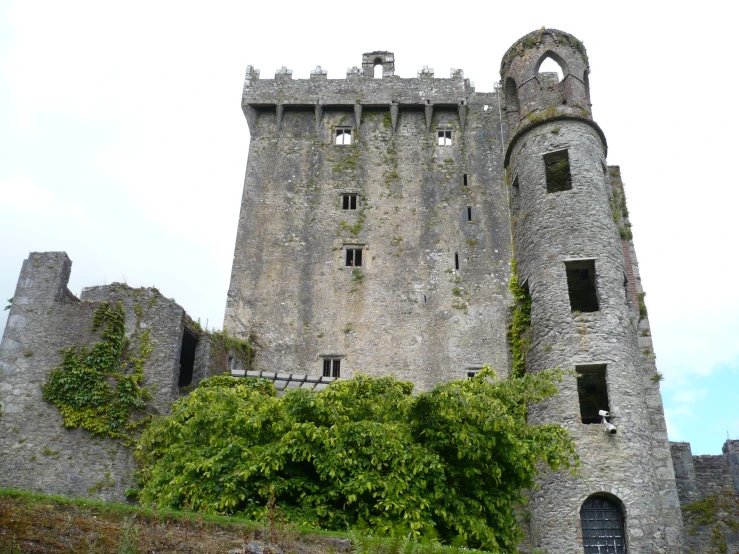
column 360, row 87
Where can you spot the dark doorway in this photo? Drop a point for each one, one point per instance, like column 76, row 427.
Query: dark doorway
column 187, row 357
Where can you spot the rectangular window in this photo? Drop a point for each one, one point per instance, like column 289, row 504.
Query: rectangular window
column 581, row 286
column 353, row 257
column 332, row 367
column 349, row 201
column 464, row 179
column 592, row 392
column 557, row 165
column 343, row 136
column 444, row 137
column 469, row 213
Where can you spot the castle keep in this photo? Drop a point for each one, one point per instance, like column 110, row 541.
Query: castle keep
column 379, row 219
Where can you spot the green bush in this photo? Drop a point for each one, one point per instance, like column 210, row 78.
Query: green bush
column 365, row 452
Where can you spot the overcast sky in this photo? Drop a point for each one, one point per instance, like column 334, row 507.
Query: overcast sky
column 122, row 142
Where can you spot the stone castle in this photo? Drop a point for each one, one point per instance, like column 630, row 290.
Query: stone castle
column 379, row 220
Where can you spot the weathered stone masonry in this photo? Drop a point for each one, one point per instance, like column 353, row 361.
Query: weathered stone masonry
column 429, row 302
column 437, row 187
column 36, row 452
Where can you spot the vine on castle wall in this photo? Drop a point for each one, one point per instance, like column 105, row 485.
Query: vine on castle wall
column 99, row 388
column 517, row 334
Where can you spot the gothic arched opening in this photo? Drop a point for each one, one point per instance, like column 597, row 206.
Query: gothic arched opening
column 550, row 63
column 602, row 526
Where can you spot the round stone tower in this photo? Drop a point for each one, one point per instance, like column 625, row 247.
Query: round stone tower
column 569, row 257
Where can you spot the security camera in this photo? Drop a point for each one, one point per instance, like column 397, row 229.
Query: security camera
column 608, row 428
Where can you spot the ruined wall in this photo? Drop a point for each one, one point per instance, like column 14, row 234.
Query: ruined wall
column 36, row 452
column 552, row 228
column 708, row 487
column 408, row 311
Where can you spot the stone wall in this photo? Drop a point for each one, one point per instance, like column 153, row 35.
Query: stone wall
column 36, row 452
column 710, row 486
column 408, row 311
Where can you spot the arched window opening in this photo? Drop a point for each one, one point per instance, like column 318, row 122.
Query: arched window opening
column 511, row 96
column 378, row 68
column 550, row 65
column 602, row 526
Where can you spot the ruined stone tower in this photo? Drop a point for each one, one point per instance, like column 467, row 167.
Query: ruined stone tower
column 578, row 267
column 379, row 219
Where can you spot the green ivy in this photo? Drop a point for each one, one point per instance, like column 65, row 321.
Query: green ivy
column 99, row 388
column 517, row 335
column 366, row 452
column 223, row 345
column 717, row 514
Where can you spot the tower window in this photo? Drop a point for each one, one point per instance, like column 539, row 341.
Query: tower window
column 353, row 257
column 581, row 286
column 602, row 526
column 464, row 179
column 444, row 137
column 456, row 261
column 592, row 392
column 557, row 165
column 343, row 136
column 469, row 213
column 332, row 367
column 378, row 69
column 349, row 201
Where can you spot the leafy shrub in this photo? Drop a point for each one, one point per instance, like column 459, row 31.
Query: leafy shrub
column 365, row 452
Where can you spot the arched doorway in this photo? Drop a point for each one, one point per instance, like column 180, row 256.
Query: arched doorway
column 602, row 526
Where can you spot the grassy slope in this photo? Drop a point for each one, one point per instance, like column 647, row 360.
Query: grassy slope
column 36, row 523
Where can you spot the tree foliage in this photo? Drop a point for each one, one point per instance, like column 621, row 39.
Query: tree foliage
column 450, row 462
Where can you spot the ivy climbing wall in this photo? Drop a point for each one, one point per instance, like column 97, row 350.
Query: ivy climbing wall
column 37, row 451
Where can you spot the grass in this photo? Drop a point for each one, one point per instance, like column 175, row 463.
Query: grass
column 37, row 523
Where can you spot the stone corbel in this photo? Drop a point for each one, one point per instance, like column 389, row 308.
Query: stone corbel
column 429, row 109
column 319, row 114
column 462, row 113
column 278, row 111
column 394, row 114
column 251, row 116
column 357, row 117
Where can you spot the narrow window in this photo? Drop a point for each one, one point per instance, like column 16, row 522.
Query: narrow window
column 602, row 526
column 469, row 213
column 187, row 357
column 557, row 166
column 444, row 137
column 353, row 257
column 456, row 261
column 332, row 367
column 471, row 374
column 464, row 179
column 349, row 201
column 378, row 70
column 343, row 136
column 581, row 286
column 592, row 392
